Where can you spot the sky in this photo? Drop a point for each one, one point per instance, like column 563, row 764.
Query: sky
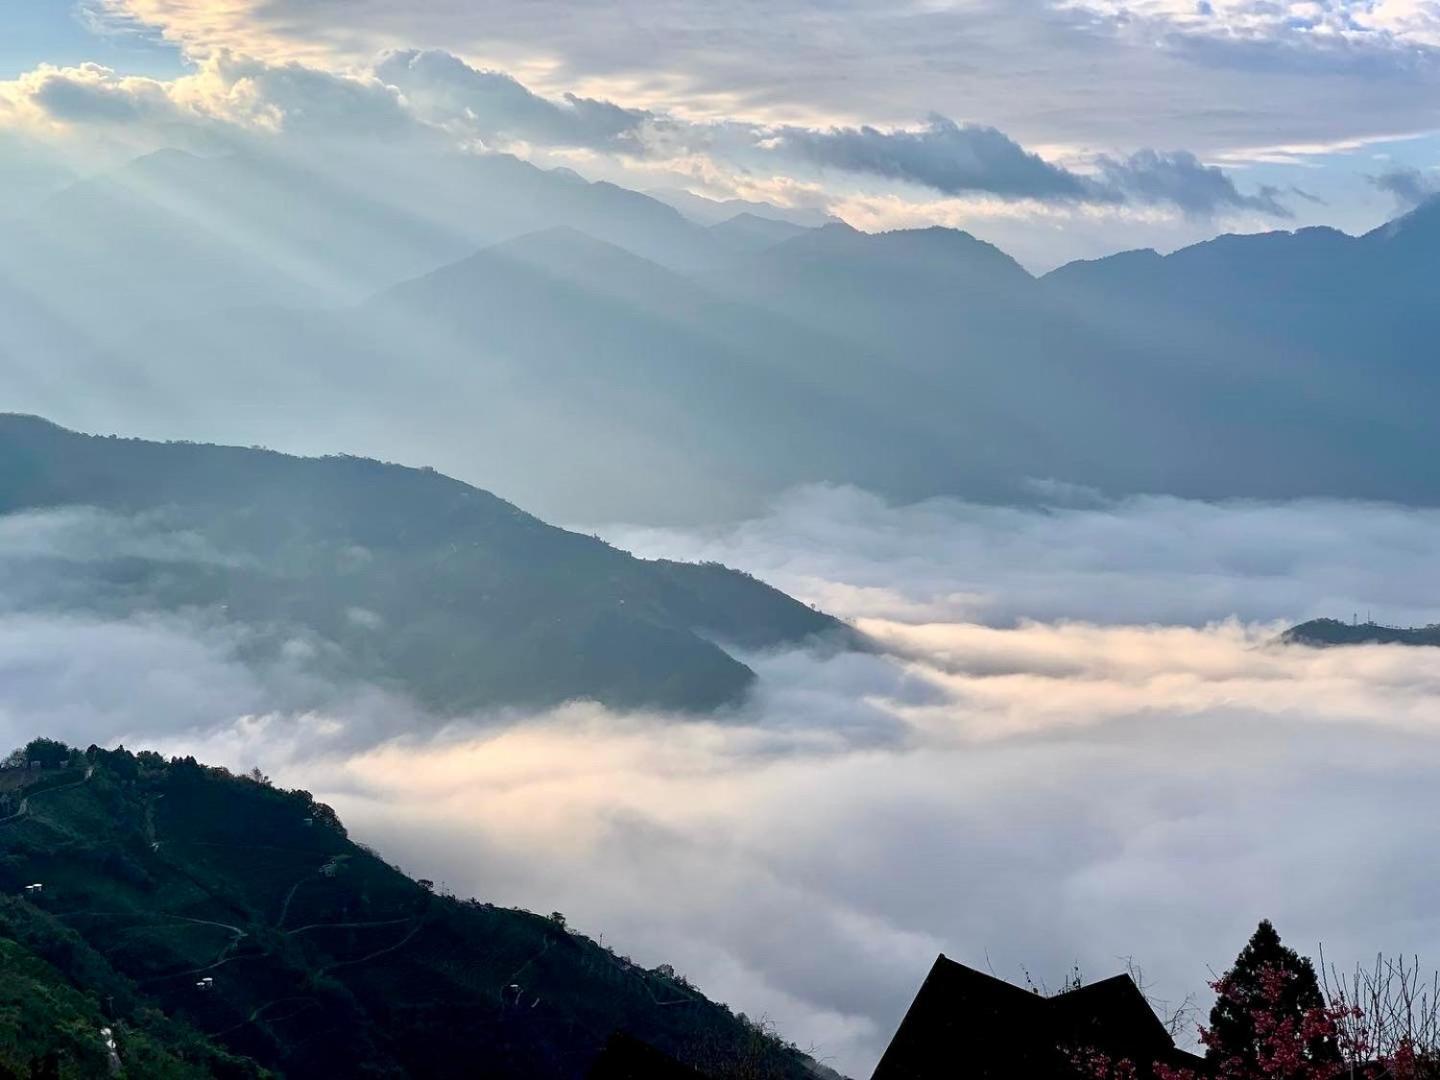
column 1056, row 128
column 69, row 34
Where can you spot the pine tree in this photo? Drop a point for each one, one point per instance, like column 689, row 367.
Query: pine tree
column 1268, row 983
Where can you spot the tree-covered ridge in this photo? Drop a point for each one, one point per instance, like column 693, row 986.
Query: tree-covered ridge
column 403, row 577
column 1325, row 632
column 219, row 926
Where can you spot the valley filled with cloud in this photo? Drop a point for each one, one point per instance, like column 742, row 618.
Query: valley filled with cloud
column 1075, row 741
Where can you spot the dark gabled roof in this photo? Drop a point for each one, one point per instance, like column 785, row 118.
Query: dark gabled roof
column 966, row 1025
column 1110, row 1015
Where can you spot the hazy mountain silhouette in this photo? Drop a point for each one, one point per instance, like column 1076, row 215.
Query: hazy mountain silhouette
column 750, row 232
column 598, row 356
column 176, row 233
column 1306, row 353
column 407, row 578
column 716, row 211
column 594, row 383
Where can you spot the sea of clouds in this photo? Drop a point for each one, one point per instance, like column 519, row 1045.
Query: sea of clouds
column 1078, row 743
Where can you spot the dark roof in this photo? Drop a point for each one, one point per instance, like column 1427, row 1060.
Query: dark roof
column 1111, row 1015
column 966, row 1024
column 627, row 1058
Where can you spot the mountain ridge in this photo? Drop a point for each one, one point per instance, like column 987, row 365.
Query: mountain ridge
column 469, row 602
column 913, row 363
column 1333, row 633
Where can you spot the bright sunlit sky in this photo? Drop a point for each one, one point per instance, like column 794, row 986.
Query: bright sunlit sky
column 64, row 34
column 1053, row 127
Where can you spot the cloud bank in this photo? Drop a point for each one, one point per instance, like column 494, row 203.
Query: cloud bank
column 1154, row 118
column 436, row 97
column 1153, row 559
column 1225, row 74
column 956, row 159
column 497, row 106
column 225, row 95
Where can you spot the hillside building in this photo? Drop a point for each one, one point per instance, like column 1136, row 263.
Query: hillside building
column 967, row 1025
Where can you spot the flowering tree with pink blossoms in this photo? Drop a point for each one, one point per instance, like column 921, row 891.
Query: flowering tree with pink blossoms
column 1271, row 1021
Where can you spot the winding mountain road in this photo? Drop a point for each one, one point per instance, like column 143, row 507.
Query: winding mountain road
column 24, row 808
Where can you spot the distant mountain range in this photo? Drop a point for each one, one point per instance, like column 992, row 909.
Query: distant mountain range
column 717, row 211
column 160, row 920
column 1328, row 632
column 596, row 354
column 397, row 576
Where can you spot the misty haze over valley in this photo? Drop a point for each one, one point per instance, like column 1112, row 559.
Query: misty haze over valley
column 517, row 313
column 540, row 544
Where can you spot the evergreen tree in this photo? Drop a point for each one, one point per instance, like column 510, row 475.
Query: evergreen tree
column 49, row 753
column 1270, row 984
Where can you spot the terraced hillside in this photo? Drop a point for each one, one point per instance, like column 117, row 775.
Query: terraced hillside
column 218, row 926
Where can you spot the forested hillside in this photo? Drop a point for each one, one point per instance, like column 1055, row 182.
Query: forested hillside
column 218, row 926
column 397, row 576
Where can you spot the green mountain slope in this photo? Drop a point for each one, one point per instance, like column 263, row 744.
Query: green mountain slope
column 64, row 1012
column 322, row 959
column 397, row 576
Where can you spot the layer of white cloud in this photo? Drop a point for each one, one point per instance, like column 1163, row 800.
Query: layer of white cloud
column 1094, row 73
column 1148, row 559
column 1082, row 745
column 224, row 93
column 1133, row 109
column 1374, row 24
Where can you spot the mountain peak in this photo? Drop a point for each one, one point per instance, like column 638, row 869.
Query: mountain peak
column 1423, row 220
column 950, row 247
column 544, row 259
column 1121, row 261
column 751, row 232
column 931, row 249
column 749, row 217
column 165, row 157
column 563, row 241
